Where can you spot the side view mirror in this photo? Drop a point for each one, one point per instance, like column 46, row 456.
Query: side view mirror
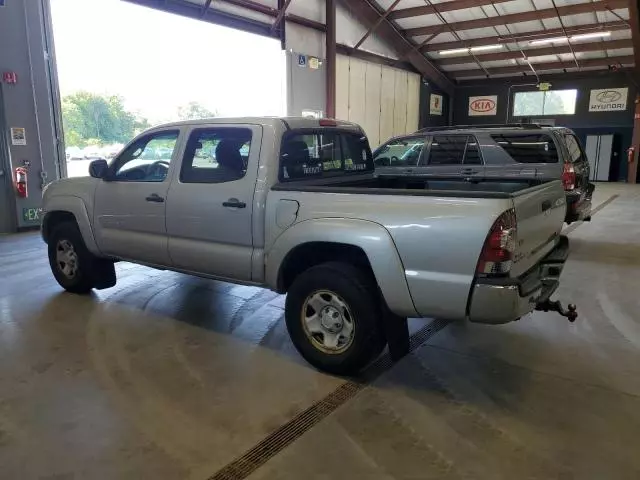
column 98, row 168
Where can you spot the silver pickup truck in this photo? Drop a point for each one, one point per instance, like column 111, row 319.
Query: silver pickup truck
column 294, row 205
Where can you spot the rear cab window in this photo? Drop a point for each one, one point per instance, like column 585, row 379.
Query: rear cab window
column 323, row 153
column 528, row 148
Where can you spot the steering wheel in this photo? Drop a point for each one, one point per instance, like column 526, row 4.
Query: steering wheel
column 154, row 169
column 395, row 159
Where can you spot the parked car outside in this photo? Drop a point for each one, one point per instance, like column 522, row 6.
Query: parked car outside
column 74, row 153
column 500, row 151
column 93, row 152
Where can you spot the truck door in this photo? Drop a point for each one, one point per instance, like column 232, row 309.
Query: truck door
column 129, row 210
column 210, row 204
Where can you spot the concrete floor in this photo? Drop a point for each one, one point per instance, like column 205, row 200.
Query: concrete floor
column 169, row 377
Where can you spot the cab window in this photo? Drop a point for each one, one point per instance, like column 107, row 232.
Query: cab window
column 147, row 159
column 216, row 155
column 447, row 150
column 403, row 152
column 576, row 153
column 323, row 153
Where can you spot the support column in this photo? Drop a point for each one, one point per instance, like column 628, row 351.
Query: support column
column 330, row 58
column 632, row 171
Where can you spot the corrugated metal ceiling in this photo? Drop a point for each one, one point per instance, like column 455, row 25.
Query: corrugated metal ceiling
column 510, row 31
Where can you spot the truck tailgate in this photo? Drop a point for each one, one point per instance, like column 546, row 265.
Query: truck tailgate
column 540, row 215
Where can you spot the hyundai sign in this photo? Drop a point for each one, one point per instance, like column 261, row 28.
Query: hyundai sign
column 608, row 100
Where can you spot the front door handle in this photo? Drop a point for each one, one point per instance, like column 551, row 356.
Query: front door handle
column 469, row 171
column 154, row 197
column 234, row 203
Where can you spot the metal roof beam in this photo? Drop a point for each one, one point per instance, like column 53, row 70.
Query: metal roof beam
column 441, row 7
column 634, row 20
column 377, row 24
column 600, row 6
column 521, row 69
column 369, row 15
column 539, row 52
column 526, row 37
column 192, row 10
column 280, row 16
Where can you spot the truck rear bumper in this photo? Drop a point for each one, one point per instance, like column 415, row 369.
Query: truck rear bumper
column 503, row 300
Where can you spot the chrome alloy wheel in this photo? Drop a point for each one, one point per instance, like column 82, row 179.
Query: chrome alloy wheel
column 66, row 258
column 327, row 322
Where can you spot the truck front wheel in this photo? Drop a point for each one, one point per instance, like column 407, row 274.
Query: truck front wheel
column 75, row 268
column 334, row 318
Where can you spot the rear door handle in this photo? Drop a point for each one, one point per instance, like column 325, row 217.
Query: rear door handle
column 469, row 171
column 154, row 197
column 234, row 203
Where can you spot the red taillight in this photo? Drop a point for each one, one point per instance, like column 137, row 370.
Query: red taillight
column 497, row 253
column 568, row 177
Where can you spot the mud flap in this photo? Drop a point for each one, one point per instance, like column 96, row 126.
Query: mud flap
column 103, row 273
column 396, row 331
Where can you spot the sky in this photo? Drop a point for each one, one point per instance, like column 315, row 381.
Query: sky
column 159, row 61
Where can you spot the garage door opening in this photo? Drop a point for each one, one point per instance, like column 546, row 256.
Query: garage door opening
column 123, row 68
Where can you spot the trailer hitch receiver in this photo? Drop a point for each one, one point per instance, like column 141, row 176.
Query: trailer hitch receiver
column 555, row 306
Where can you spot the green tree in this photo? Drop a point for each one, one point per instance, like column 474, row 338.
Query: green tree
column 88, row 116
column 195, row 111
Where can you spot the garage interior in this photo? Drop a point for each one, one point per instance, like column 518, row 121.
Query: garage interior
column 171, row 376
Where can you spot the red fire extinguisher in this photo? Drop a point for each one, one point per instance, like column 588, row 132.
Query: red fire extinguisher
column 631, row 153
column 21, row 182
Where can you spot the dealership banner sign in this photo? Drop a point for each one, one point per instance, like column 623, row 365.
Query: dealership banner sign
column 608, row 100
column 483, row 106
column 435, row 106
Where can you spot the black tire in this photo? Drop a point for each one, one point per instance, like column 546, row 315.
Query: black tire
column 359, row 293
column 87, row 265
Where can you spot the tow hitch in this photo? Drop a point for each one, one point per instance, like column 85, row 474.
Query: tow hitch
column 556, row 306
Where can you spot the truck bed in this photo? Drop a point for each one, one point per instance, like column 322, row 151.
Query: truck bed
column 403, row 185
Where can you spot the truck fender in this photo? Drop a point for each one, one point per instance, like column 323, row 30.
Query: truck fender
column 76, row 207
column 369, row 236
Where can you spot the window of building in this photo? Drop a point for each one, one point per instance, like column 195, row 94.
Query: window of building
column 537, row 148
column 552, row 102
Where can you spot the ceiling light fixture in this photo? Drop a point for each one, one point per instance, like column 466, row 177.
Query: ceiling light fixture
column 470, row 49
column 454, row 51
column 544, row 41
column 584, row 36
column 486, row 47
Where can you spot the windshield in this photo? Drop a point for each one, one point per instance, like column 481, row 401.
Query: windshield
column 324, row 153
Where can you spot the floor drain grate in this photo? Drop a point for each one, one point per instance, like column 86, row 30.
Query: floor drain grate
column 286, row 434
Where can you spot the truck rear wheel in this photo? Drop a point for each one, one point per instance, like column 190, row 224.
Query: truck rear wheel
column 75, row 268
column 334, row 319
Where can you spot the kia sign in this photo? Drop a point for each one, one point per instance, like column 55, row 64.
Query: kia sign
column 483, row 106
column 608, row 100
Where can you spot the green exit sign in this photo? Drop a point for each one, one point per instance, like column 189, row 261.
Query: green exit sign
column 31, row 214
